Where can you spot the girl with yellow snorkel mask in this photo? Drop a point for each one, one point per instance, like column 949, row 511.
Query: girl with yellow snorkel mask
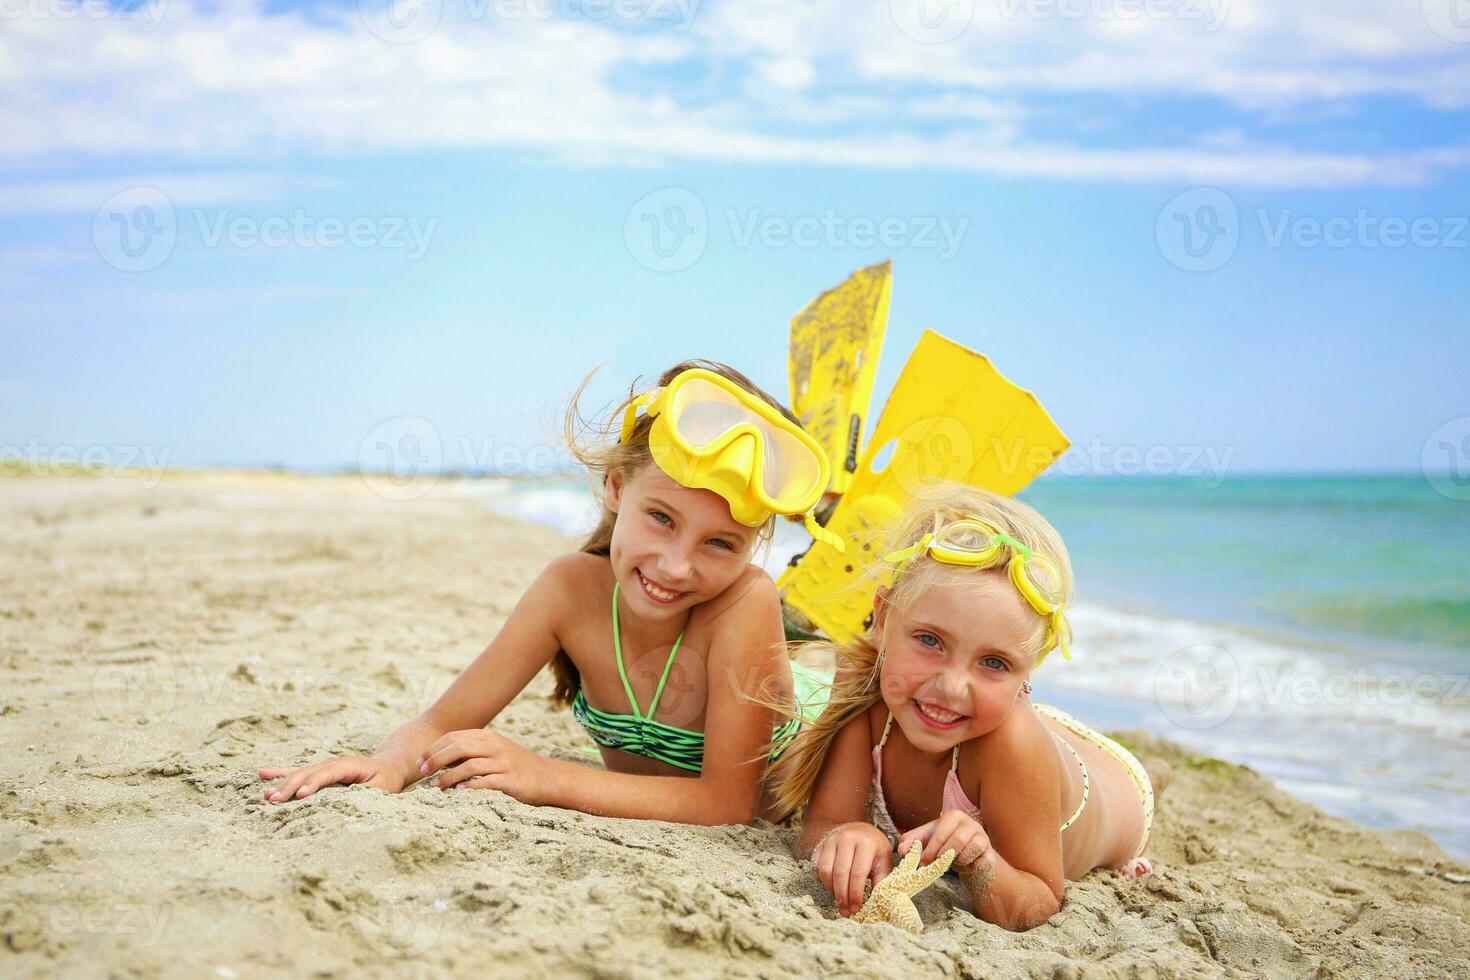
column 663, row 638
column 930, row 724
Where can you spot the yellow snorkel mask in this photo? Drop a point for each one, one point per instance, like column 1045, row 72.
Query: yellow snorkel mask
column 709, row 433
column 975, row 543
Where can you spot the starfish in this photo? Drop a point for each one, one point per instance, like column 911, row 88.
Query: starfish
column 892, row 901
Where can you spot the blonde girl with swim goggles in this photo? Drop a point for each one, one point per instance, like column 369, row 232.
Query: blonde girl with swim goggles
column 930, row 738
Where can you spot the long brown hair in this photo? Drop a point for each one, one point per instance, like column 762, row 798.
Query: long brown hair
column 856, row 686
column 597, row 447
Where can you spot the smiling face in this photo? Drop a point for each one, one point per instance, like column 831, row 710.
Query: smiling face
column 955, row 656
column 673, row 547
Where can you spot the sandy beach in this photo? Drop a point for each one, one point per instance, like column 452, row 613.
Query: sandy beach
column 159, row 643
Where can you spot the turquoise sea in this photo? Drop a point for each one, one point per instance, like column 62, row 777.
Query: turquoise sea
column 1314, row 628
column 1378, row 560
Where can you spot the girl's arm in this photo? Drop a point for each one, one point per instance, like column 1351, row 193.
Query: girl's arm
column 840, row 793
column 524, row 645
column 846, row 851
column 1019, row 882
column 744, row 659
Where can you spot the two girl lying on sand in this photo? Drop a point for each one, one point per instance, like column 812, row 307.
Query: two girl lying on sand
column 927, row 725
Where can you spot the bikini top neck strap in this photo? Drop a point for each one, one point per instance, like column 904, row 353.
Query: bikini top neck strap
column 623, row 674
column 954, row 757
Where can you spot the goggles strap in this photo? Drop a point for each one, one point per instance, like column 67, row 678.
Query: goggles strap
column 820, row 533
column 1059, row 631
column 630, row 414
column 917, row 548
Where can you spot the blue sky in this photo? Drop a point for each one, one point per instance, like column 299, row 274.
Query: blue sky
column 179, row 181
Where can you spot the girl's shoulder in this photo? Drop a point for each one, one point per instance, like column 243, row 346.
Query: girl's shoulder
column 751, row 596
column 582, row 563
column 1022, row 737
column 578, row 573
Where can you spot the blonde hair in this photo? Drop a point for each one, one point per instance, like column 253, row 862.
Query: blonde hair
column 596, row 445
column 855, row 688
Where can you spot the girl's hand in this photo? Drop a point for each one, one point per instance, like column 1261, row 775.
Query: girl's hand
column 952, row 830
column 478, row 758
column 301, row 781
column 847, row 858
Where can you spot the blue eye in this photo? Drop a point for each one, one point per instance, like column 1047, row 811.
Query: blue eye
column 929, row 640
column 661, row 517
column 996, row 663
column 722, row 543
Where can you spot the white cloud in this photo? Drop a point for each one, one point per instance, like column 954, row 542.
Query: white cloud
column 822, row 81
column 87, row 194
column 788, row 72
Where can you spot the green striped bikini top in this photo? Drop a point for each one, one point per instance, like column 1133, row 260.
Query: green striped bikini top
column 639, row 733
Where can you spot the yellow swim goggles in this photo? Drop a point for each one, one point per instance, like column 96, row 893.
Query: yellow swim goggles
column 709, row 433
column 975, row 543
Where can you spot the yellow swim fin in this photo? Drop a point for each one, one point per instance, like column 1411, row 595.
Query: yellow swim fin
column 951, row 416
column 833, row 358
